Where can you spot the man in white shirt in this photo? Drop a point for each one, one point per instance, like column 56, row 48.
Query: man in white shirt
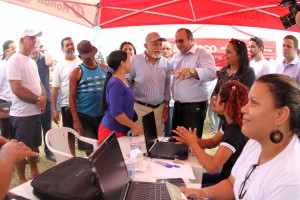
column 259, row 63
column 194, row 68
column 60, row 81
column 29, row 99
column 9, row 48
column 167, row 50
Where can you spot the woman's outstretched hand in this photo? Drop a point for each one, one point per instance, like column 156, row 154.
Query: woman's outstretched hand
column 188, row 137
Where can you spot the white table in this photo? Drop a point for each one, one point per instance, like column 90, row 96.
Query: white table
column 25, row 190
column 147, row 176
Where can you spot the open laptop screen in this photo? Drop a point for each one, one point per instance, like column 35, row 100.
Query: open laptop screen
column 110, row 169
column 150, row 131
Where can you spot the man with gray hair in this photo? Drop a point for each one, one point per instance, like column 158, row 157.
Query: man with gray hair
column 150, row 80
column 167, row 50
column 259, row 63
column 29, row 100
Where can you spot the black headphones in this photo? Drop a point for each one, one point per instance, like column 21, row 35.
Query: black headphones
column 276, row 136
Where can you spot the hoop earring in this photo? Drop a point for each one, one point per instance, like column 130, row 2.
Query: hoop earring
column 276, row 136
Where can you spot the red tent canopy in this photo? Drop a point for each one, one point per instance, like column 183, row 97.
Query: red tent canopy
column 120, row 13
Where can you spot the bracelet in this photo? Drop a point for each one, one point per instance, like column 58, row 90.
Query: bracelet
column 206, row 193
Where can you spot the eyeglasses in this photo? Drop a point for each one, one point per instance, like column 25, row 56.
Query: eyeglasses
column 242, row 187
column 167, row 49
column 180, row 41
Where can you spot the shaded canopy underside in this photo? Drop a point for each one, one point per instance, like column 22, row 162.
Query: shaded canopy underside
column 122, row 13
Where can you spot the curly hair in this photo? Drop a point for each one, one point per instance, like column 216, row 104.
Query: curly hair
column 235, row 95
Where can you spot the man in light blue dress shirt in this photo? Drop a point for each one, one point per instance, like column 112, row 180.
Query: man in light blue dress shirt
column 194, row 68
column 150, row 80
column 290, row 66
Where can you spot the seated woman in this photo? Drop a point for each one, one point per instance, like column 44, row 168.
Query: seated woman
column 118, row 99
column 268, row 167
column 228, row 102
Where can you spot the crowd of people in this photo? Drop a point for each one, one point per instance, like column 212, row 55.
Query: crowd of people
column 255, row 113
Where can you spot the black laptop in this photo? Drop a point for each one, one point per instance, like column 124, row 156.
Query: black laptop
column 158, row 149
column 114, row 181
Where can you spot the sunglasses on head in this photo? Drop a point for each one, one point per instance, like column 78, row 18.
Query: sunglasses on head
column 235, row 41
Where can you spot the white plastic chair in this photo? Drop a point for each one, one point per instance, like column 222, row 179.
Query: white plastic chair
column 57, row 142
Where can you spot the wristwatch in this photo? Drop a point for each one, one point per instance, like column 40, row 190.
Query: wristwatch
column 192, row 71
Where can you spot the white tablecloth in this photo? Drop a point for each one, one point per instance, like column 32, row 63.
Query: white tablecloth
column 25, row 189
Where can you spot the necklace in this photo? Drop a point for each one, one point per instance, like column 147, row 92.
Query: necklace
column 229, row 77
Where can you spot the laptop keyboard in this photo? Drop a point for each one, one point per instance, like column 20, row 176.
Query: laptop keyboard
column 148, row 191
column 163, row 149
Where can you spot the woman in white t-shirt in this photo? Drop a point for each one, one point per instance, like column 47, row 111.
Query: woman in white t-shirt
column 268, row 167
column 9, row 48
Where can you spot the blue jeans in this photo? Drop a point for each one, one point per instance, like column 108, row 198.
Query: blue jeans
column 58, row 102
column 168, row 125
column 46, row 120
column 213, row 118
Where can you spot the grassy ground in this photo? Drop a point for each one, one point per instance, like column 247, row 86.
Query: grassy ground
column 45, row 164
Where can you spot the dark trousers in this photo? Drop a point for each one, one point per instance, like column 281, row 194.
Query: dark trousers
column 168, row 125
column 27, row 129
column 190, row 115
column 90, row 127
column 210, row 179
column 6, row 128
column 46, row 120
column 67, row 119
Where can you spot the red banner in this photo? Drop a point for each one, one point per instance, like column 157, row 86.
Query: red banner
column 217, row 48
